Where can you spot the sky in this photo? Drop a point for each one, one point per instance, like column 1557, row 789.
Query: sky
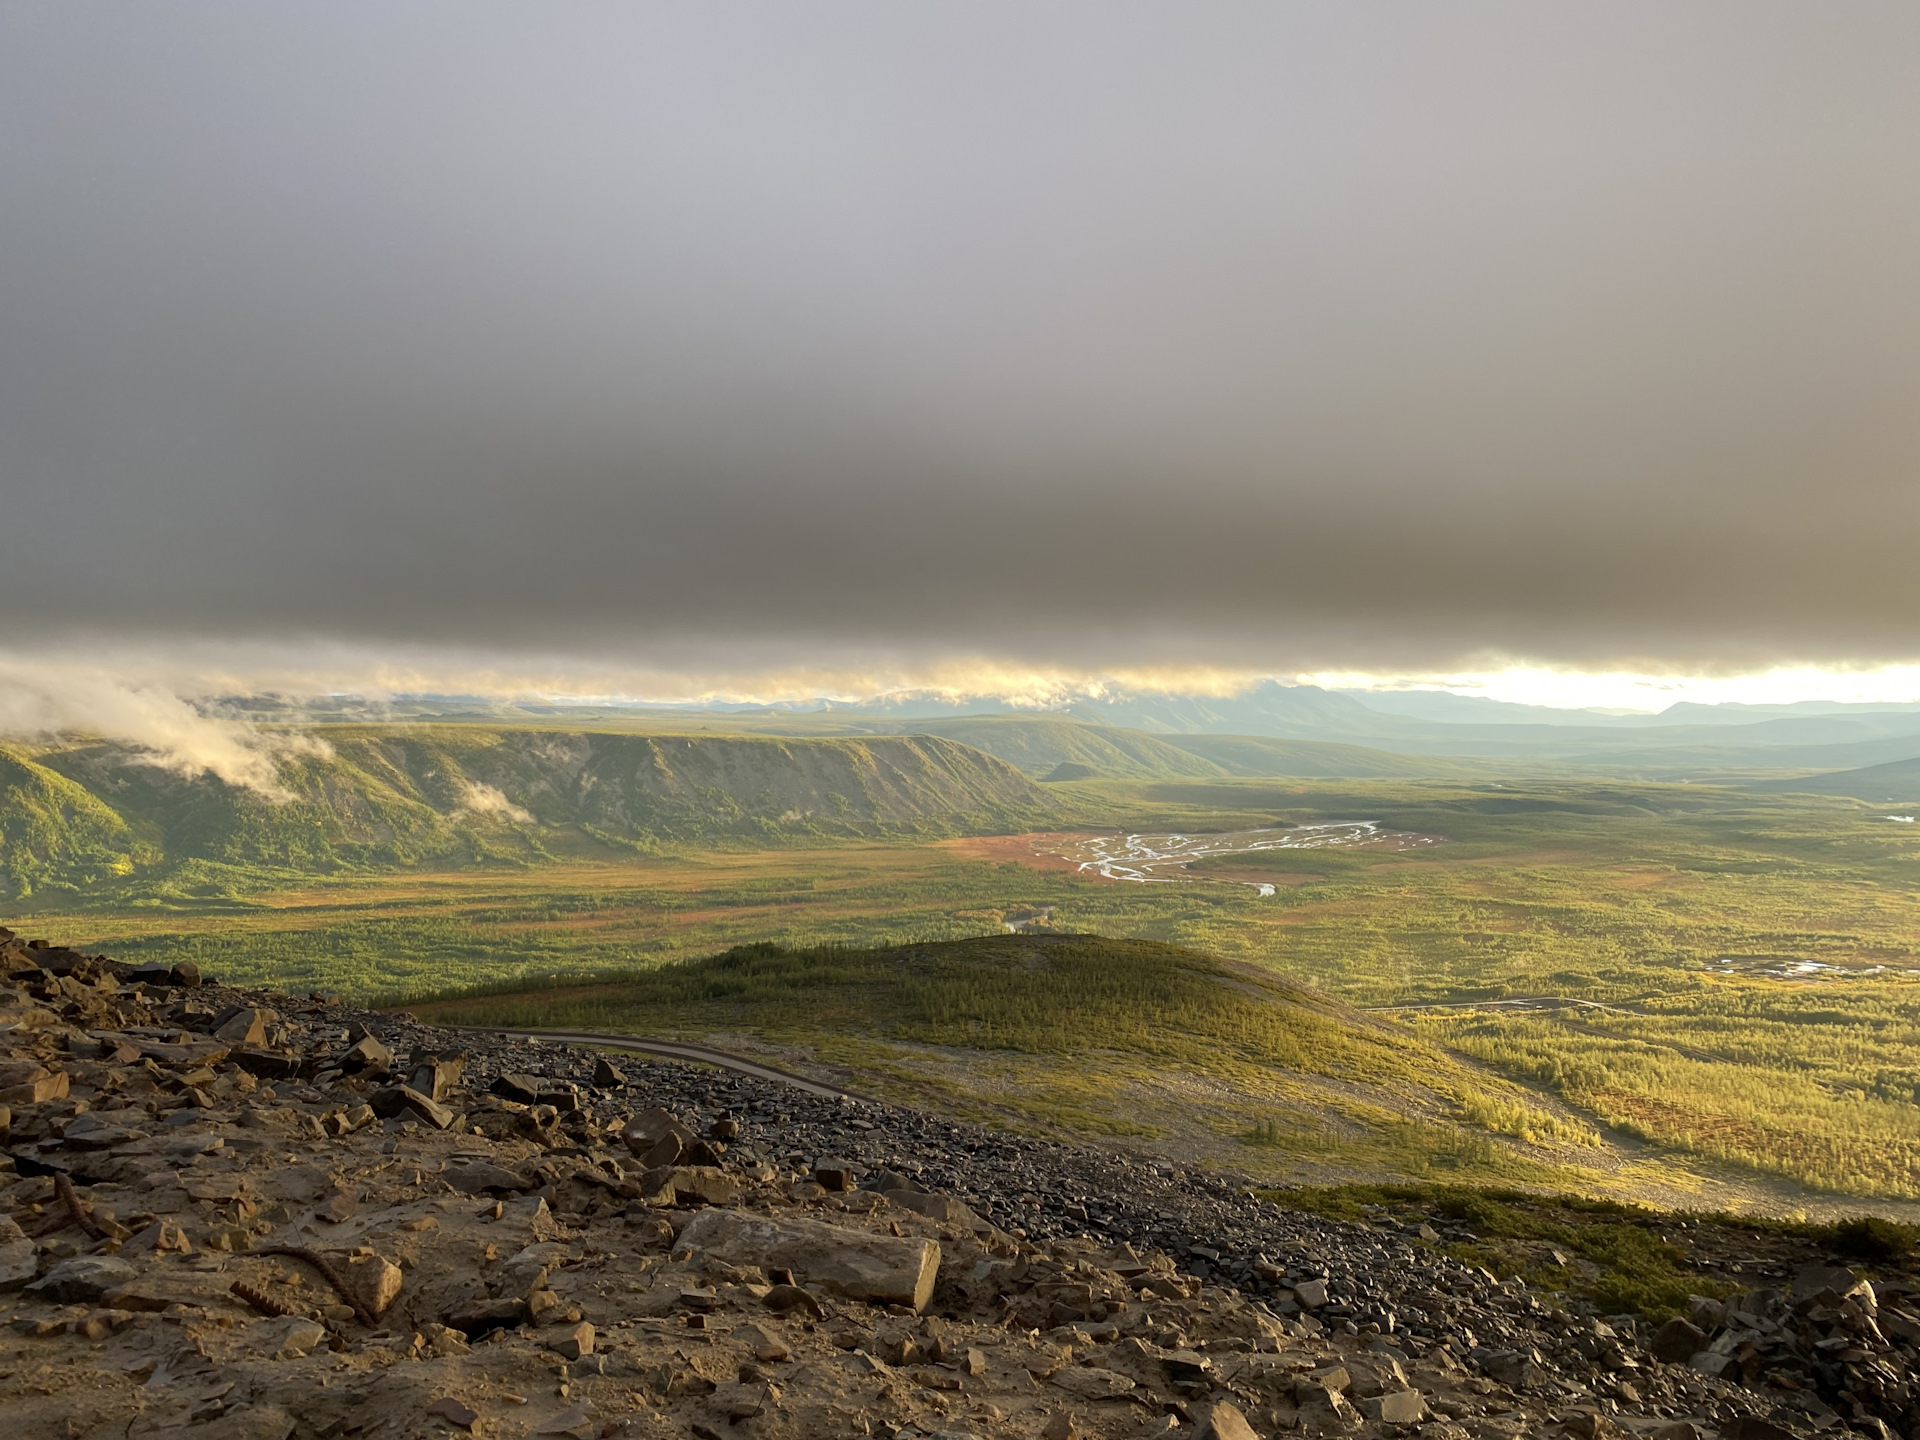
column 758, row 349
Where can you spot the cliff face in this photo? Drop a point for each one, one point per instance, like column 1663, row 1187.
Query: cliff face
column 265, row 1218
column 402, row 795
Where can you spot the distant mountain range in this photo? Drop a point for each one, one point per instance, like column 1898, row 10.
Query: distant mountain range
column 1686, row 740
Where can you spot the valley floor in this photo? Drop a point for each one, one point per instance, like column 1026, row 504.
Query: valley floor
column 1736, row 1016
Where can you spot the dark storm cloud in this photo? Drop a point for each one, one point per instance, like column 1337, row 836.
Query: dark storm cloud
column 1337, row 334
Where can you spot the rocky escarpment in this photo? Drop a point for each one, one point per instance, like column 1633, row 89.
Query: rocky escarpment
column 86, row 813
column 242, row 1214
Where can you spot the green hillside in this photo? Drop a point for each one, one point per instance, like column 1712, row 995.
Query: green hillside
column 53, row 832
column 1087, row 1035
column 1040, row 743
column 1897, row 782
column 1253, row 755
column 388, row 797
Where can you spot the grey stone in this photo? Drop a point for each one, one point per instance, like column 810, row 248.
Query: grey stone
column 298, row 1337
column 479, row 1178
column 857, row 1264
column 1398, row 1407
column 244, row 1027
column 943, row 1208
column 19, row 1261
column 707, row 1183
column 399, row 1100
column 1676, row 1341
column 94, row 1130
column 1226, row 1421
column 367, row 1057
column 83, row 1279
column 522, row 1089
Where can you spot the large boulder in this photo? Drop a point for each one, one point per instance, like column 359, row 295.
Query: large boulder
column 656, row 1137
column 857, row 1264
column 1677, row 1341
column 243, row 1025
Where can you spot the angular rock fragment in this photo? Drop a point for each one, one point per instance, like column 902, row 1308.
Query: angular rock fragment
column 857, row 1264
column 435, row 1075
column 1225, row 1421
column 242, row 1026
column 644, row 1131
column 521, row 1089
column 19, row 1259
column 266, row 1064
column 663, row 1154
column 376, row 1282
column 37, row 1088
column 83, row 1279
column 454, row 1412
column 1677, row 1341
column 607, row 1075
column 297, row 1337
column 1398, row 1407
column 478, row 1177
column 1311, row 1294
column 785, row 1297
column 1509, row 1367
column 369, row 1057
column 403, row 1100
column 763, row 1344
column 707, row 1183
column 943, row 1208
column 95, row 1130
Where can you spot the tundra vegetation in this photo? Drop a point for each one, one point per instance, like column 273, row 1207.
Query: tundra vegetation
column 1626, row 987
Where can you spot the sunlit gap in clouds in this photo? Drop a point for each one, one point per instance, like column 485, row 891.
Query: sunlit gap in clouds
column 1564, row 688
column 157, row 693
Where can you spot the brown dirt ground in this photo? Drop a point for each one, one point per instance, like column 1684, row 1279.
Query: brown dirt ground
column 1024, row 850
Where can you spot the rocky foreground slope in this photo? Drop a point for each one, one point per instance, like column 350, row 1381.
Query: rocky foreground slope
column 234, row 1214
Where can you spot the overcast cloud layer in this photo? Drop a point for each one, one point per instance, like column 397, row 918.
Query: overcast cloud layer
column 1347, row 335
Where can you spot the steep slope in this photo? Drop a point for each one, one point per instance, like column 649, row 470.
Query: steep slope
column 404, row 1271
column 1252, row 755
column 1269, row 708
column 1038, row 744
column 1897, row 782
column 53, row 834
column 1088, row 1035
column 406, row 795
column 1041, row 744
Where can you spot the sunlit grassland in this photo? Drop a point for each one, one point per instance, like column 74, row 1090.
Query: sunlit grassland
column 1090, row 1034
column 1689, row 911
column 1819, row 1087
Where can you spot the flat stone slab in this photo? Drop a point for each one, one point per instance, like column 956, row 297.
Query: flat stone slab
column 856, row 1264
